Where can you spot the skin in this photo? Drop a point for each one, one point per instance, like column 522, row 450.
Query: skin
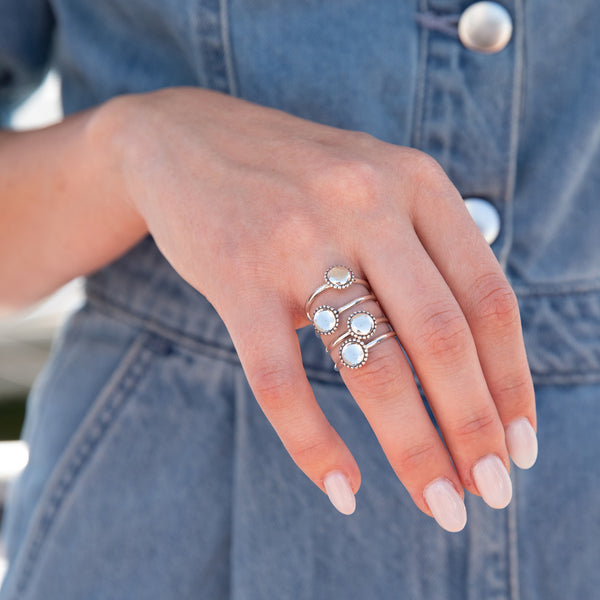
column 227, row 187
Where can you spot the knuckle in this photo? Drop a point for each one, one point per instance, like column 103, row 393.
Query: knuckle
column 310, row 451
column 517, row 388
column 273, row 387
column 496, row 303
column 482, row 424
column 427, row 172
column 430, row 187
column 379, row 375
column 349, row 180
column 444, row 333
column 415, row 456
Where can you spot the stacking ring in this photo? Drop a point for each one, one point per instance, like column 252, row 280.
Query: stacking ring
column 361, row 325
column 327, row 318
column 337, row 277
column 354, row 353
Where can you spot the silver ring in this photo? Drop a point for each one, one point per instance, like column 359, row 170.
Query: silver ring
column 354, row 353
column 337, row 277
column 326, row 318
column 361, row 325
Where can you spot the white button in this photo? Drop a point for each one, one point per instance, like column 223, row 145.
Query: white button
column 485, row 27
column 486, row 217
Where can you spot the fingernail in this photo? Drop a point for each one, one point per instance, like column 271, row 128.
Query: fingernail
column 446, row 505
column 493, row 481
column 340, row 493
column 521, row 442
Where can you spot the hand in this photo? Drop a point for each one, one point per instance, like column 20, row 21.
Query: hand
column 251, row 205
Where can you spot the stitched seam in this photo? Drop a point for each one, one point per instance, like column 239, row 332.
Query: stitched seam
column 227, row 49
column 511, row 173
column 199, row 346
column 115, row 310
column 565, row 379
column 110, row 403
column 419, row 109
column 192, row 34
column 512, row 537
column 591, row 371
column 537, row 293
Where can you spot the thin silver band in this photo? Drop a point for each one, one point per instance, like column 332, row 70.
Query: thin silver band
column 378, row 340
column 328, row 286
column 347, row 334
column 366, row 348
column 355, row 302
column 336, row 312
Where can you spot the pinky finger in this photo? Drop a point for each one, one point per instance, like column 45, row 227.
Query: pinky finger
column 278, row 380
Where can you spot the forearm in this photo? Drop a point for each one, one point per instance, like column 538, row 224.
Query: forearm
column 64, row 212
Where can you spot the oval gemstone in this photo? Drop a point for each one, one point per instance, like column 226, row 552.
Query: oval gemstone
column 324, row 320
column 353, row 354
column 338, row 276
column 361, row 324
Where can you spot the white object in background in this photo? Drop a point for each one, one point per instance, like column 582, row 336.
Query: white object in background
column 3, row 568
column 39, row 321
column 14, row 457
column 42, row 108
column 25, row 338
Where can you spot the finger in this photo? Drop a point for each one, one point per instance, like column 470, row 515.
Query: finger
column 490, row 307
column 436, row 336
column 272, row 363
column 386, row 392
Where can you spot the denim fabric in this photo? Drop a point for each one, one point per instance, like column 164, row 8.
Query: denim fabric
column 25, row 42
column 153, row 472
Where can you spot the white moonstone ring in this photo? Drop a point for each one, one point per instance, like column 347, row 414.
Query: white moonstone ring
column 354, row 353
column 337, row 278
column 360, row 325
column 327, row 318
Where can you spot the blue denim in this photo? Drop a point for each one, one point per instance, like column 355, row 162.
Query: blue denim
column 153, row 472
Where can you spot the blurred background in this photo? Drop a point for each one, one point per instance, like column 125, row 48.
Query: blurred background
column 25, row 338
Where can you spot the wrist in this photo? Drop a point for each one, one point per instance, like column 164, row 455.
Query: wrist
column 112, row 139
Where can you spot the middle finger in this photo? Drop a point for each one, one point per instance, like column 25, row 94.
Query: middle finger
column 385, row 390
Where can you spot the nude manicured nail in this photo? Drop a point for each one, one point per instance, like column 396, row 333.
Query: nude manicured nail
column 521, row 442
column 493, row 481
column 446, row 505
column 340, row 493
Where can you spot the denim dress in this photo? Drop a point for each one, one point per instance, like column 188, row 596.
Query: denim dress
column 153, row 473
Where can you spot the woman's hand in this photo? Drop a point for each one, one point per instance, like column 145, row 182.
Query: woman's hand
column 251, row 205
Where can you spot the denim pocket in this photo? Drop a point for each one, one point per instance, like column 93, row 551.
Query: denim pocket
column 103, row 412
column 136, row 502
